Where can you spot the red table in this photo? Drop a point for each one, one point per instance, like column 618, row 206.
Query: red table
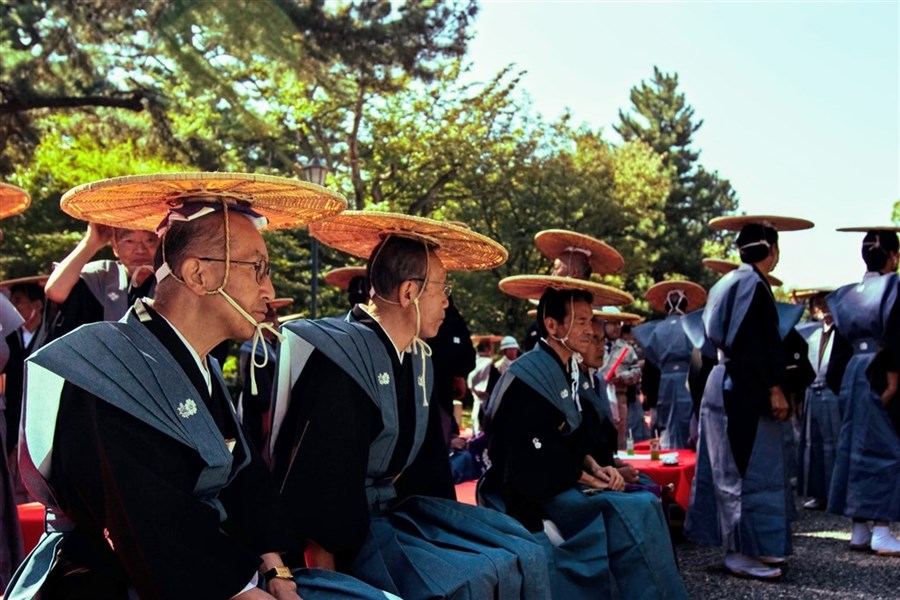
column 31, row 516
column 681, row 476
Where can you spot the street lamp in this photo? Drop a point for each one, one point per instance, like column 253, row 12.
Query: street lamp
column 314, row 171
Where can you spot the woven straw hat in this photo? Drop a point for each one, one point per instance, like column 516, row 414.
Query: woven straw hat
column 38, row 279
column 658, row 292
column 736, row 223
column 895, row 228
column 603, row 258
column 142, row 201
column 533, row 286
column 532, row 312
column 341, row 278
column 13, row 200
column 613, row 313
column 726, row 266
column 358, row 232
column 805, row 294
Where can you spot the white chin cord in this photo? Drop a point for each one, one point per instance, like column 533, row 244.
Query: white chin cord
column 422, row 349
column 258, row 338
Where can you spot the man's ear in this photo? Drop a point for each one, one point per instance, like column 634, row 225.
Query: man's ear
column 408, row 291
column 551, row 325
column 196, row 276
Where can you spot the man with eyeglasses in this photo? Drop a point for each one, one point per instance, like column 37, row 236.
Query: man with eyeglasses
column 152, row 488
column 357, row 443
column 102, row 290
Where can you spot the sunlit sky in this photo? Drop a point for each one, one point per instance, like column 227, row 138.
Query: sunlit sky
column 800, row 100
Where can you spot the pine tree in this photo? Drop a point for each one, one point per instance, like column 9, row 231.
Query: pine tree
column 662, row 118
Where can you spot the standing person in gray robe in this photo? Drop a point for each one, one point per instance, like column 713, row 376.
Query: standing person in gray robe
column 102, row 290
column 865, row 484
column 741, row 496
column 821, row 416
column 357, row 445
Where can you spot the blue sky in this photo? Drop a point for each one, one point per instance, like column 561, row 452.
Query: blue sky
column 800, row 100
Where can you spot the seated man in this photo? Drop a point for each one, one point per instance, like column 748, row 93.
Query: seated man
column 357, row 444
column 130, row 439
column 544, row 442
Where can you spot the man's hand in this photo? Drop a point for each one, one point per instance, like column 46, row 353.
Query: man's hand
column 628, row 473
column 318, row 557
column 98, row 235
column 779, row 403
column 283, row 589
column 458, row 443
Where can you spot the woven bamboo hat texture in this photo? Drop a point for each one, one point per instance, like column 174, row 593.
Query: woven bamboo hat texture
column 613, row 313
column 341, row 277
column 726, row 266
column 358, row 232
column 658, row 292
column 13, row 200
column 738, row 222
column 142, row 201
column 529, row 287
column 602, row 257
column 36, row 279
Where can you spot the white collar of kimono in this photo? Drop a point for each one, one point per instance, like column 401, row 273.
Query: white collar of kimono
column 204, row 369
column 400, row 353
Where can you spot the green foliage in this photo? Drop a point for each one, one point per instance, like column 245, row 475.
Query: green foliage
column 372, row 87
column 896, row 216
column 662, row 118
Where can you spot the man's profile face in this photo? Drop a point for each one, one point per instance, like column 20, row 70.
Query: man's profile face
column 593, row 358
column 432, row 301
column 253, row 296
column 29, row 309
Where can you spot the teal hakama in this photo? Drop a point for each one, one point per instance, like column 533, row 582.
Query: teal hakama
column 600, row 545
column 366, row 475
column 740, row 498
column 668, row 347
column 866, row 479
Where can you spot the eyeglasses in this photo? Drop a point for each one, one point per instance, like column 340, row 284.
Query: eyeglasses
column 447, row 288
column 261, row 267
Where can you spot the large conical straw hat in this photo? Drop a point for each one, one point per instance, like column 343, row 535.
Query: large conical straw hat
column 603, row 258
column 726, row 266
column 533, row 286
column 341, row 277
column 143, row 201
column 658, row 292
column 13, row 200
column 738, row 222
column 358, row 232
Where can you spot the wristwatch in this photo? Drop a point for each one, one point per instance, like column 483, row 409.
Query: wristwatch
column 278, row 573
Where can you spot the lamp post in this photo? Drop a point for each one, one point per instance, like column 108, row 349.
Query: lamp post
column 315, row 171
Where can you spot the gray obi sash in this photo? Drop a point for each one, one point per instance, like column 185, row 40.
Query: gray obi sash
column 125, row 365
column 361, row 354
column 542, row 373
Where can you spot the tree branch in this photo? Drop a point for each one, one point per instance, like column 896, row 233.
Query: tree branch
column 17, row 105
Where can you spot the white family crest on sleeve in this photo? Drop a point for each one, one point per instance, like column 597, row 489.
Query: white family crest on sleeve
column 186, row 409
column 384, row 379
column 537, row 443
column 113, row 296
column 564, row 394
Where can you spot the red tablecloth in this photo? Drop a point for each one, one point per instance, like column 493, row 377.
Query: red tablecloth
column 31, row 516
column 681, row 476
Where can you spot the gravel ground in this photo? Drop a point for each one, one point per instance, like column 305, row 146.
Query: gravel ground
column 821, row 568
